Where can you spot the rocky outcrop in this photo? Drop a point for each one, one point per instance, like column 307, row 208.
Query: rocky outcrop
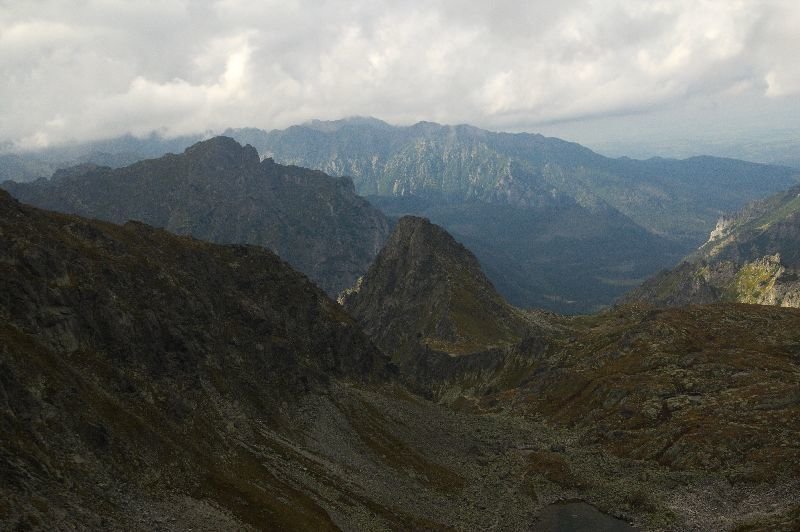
column 751, row 257
column 220, row 191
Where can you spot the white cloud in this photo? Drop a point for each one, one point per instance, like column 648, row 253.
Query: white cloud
column 90, row 69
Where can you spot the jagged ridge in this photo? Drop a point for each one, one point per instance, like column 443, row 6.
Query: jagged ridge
column 219, row 191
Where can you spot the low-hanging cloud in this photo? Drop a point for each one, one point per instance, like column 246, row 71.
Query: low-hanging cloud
column 92, row 69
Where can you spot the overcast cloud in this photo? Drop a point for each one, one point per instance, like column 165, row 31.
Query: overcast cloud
column 80, row 70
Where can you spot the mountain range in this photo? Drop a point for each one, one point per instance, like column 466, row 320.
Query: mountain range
column 155, row 381
column 553, row 224
column 680, row 199
column 221, row 191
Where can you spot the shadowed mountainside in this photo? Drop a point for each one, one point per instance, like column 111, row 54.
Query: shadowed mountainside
column 219, row 191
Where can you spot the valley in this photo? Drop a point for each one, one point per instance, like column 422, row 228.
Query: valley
column 553, row 224
column 399, row 266
column 157, row 381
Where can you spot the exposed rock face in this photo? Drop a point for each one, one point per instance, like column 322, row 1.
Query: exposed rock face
column 426, row 289
column 522, row 169
column 752, row 257
column 219, row 191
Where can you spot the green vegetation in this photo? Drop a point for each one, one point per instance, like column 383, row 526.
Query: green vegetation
column 755, row 281
column 756, row 261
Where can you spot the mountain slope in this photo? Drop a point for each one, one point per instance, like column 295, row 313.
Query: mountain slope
column 426, row 289
column 218, row 190
column 132, row 360
column 752, row 257
column 150, row 381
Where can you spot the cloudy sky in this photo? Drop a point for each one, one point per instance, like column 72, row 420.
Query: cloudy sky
column 587, row 70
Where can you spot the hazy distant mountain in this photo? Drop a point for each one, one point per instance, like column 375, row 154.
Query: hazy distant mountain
column 467, row 162
column 750, row 257
column 24, row 168
column 554, row 224
column 678, row 198
column 220, row 191
column 115, row 152
column 771, row 146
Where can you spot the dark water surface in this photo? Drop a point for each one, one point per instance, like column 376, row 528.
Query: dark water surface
column 578, row 516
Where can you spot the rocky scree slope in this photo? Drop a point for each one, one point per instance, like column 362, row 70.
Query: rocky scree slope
column 750, row 257
column 425, row 290
column 219, row 191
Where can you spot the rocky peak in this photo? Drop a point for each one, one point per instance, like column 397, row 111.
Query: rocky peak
column 223, row 153
column 416, row 243
column 427, row 290
column 219, row 190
